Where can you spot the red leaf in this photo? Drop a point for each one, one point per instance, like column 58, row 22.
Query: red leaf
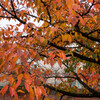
column 62, row 55
column 27, row 86
column 16, row 96
column 17, row 84
column 38, row 92
column 12, row 91
column 37, row 82
column 4, row 89
column 52, row 55
column 52, row 62
column 19, row 52
column 59, row 61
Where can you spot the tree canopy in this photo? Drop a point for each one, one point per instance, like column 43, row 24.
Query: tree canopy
column 69, row 34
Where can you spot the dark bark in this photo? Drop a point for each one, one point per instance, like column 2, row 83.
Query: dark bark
column 75, row 54
column 73, row 94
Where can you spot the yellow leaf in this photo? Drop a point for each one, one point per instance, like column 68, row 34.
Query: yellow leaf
column 20, row 77
column 65, row 37
column 76, row 34
column 69, row 38
column 96, row 59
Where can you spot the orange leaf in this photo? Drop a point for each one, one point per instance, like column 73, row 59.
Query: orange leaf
column 62, row 55
column 6, row 1
column 31, row 94
column 20, row 91
column 20, row 77
column 2, row 66
column 25, row 27
column 43, row 90
column 69, row 4
column 27, row 77
column 64, row 37
column 90, row 1
column 2, row 77
column 70, row 38
column 11, row 79
column 38, row 92
column 42, row 39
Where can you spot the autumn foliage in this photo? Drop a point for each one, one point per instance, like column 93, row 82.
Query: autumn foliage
column 68, row 32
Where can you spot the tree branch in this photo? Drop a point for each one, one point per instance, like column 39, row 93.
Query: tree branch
column 6, row 9
column 12, row 14
column 6, row 17
column 47, row 10
column 96, row 30
column 13, row 7
column 89, row 9
column 37, row 17
column 84, row 45
column 72, row 94
column 75, row 54
column 60, row 77
column 89, row 37
column 83, row 14
column 61, row 97
column 82, row 83
column 86, row 86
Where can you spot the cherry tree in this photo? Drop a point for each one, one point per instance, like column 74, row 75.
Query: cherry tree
column 69, row 35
